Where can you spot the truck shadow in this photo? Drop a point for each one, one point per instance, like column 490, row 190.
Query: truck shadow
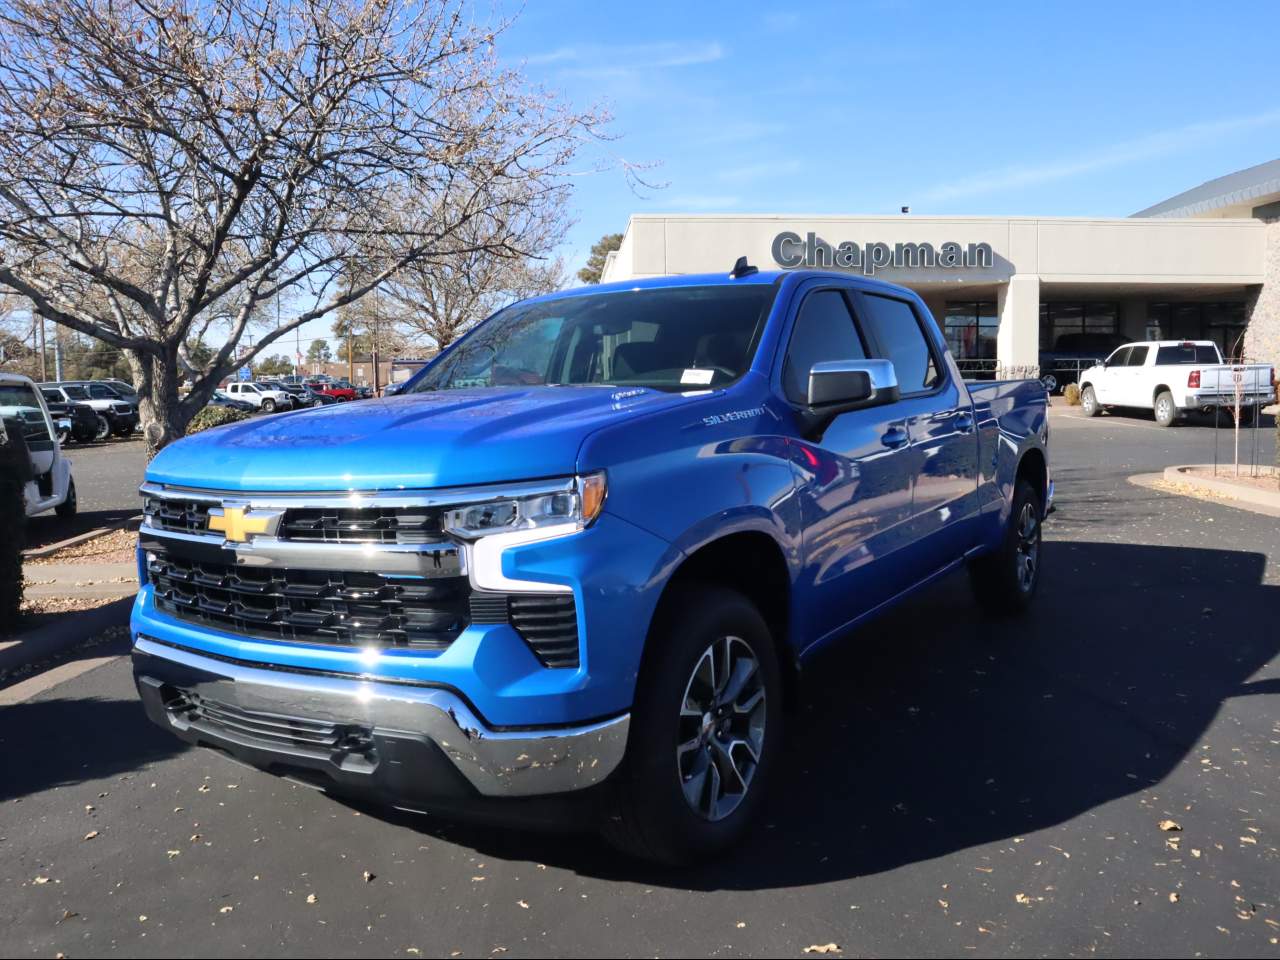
column 935, row 730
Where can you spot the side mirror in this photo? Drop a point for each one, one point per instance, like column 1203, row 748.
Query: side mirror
column 838, row 386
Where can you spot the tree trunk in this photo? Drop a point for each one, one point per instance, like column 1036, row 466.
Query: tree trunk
column 164, row 417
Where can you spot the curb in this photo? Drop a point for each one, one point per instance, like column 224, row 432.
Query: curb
column 1244, row 494
column 39, row 553
column 64, row 633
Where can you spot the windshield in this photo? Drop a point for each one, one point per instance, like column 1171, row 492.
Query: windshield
column 669, row 338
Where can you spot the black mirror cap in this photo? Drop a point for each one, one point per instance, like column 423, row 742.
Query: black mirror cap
column 828, row 387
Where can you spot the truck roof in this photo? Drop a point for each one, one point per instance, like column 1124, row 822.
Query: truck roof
column 715, row 279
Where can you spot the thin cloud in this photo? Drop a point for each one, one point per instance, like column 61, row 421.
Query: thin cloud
column 598, row 58
column 1160, row 144
column 697, row 202
column 759, row 171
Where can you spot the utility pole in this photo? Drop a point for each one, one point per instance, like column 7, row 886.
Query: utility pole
column 44, row 360
column 375, row 343
column 57, row 353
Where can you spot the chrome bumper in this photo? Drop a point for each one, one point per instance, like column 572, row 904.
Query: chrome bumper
column 496, row 763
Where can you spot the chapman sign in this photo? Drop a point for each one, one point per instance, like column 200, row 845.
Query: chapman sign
column 792, row 250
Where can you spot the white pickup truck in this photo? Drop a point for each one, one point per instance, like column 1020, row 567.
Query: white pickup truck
column 1173, row 377
column 265, row 397
column 26, row 428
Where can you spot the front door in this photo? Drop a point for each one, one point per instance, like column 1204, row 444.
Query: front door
column 854, row 480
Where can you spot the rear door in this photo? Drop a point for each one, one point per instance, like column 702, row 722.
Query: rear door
column 854, row 482
column 1137, row 385
column 940, row 424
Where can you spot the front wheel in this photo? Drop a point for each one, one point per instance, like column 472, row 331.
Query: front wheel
column 1089, row 402
column 1049, row 382
column 268, row 405
column 705, row 730
column 1165, row 410
column 104, row 428
column 1005, row 580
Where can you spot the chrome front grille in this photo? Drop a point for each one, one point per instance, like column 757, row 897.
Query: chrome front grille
column 362, row 525
column 179, row 516
column 377, row 525
column 316, row 606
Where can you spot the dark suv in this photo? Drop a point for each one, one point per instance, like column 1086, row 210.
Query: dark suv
column 1073, row 352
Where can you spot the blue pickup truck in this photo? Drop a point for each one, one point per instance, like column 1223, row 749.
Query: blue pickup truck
column 579, row 562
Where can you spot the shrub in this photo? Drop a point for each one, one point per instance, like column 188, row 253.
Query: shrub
column 14, row 467
column 1071, row 393
column 211, row 417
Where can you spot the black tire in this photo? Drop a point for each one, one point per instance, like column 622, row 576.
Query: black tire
column 268, row 405
column 999, row 579
column 1165, row 409
column 1248, row 415
column 652, row 817
column 1089, row 402
column 1050, row 383
column 104, row 428
column 122, row 430
column 67, row 508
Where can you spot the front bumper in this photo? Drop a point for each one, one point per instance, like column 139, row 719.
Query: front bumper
column 404, row 744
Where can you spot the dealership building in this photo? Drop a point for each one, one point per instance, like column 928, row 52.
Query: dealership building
column 1204, row 264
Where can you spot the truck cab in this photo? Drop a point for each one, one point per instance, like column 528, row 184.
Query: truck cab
column 581, row 558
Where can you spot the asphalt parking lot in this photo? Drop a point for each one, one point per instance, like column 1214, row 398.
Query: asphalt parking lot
column 952, row 784
column 107, row 475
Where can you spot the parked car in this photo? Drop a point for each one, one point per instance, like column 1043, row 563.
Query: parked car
column 338, row 389
column 304, row 396
column 1172, row 377
column 126, row 391
column 220, row 399
column 27, row 425
column 121, row 416
column 577, row 562
column 84, row 423
column 1071, row 353
column 262, row 396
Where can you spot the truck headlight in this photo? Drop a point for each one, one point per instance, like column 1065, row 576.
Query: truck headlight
column 578, row 502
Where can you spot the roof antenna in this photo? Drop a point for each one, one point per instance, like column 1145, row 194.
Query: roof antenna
column 742, row 269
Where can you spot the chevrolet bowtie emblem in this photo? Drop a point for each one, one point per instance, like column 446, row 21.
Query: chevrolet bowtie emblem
column 238, row 524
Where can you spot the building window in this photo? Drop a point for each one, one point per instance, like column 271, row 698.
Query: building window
column 1058, row 318
column 970, row 328
column 1223, row 323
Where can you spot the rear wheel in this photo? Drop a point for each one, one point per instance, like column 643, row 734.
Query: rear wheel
column 268, row 405
column 1089, row 402
column 1005, row 581
column 1165, row 410
column 1050, row 383
column 104, row 428
column 1248, row 415
column 67, row 508
column 704, row 733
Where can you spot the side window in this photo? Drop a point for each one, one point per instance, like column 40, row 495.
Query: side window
column 100, row 392
column 824, row 330
column 1137, row 356
column 1119, row 359
column 897, row 330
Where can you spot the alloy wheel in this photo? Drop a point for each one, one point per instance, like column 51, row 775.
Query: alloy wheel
column 1028, row 554
column 722, row 724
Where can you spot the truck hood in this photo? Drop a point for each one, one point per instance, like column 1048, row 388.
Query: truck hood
column 446, row 439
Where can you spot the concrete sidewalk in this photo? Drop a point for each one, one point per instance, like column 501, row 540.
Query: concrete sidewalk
column 81, row 579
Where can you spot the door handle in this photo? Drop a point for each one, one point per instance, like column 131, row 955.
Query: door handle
column 964, row 422
column 895, row 438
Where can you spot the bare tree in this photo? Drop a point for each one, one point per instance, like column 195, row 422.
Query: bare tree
column 165, row 164
column 441, row 297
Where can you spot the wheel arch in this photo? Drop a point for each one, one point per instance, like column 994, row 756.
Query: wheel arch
column 1161, row 388
column 1033, row 468
column 754, row 564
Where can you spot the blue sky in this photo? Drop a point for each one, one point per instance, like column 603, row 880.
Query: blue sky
column 1072, row 109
